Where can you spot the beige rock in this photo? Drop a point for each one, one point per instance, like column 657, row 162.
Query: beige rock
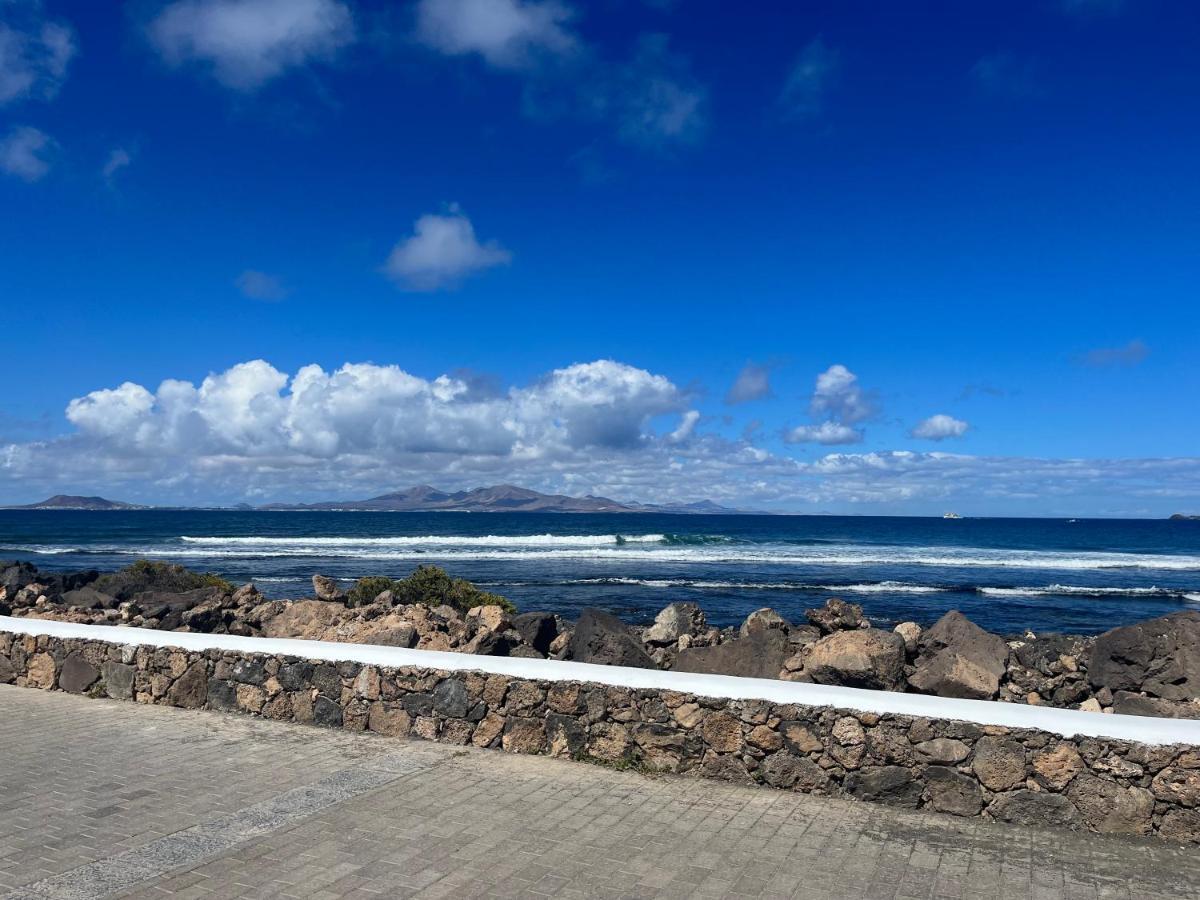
column 765, row 738
column 689, row 715
column 801, row 738
column 366, row 683
column 388, row 719
column 848, row 732
column 609, row 741
column 488, row 730
column 250, row 698
column 494, row 689
column 523, row 735
column 426, row 727
column 1058, row 765
column 41, row 671
column 565, row 697
column 1091, row 704
column 911, row 633
column 490, row 618
column 278, row 707
column 722, row 732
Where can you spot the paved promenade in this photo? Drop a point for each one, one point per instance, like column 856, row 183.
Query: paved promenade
column 100, row 798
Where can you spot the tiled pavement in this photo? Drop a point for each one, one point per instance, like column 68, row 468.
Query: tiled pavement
column 99, row 798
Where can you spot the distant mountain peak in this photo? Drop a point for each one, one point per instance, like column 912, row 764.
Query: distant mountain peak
column 497, row 498
column 73, row 501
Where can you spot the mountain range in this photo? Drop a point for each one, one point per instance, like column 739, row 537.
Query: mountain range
column 423, row 498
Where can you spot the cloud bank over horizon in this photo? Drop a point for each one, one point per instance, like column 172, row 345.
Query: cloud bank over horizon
column 254, row 432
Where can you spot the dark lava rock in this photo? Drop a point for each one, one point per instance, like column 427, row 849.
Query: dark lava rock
column 1129, row 704
column 891, row 785
column 1160, row 657
column 835, row 615
column 537, row 629
column 169, row 608
column 15, row 575
column 952, row 792
column 450, row 698
column 118, row 680
column 604, row 639
column 758, row 655
column 960, row 659
column 1026, row 807
column 326, row 712
column 77, row 674
column 88, row 598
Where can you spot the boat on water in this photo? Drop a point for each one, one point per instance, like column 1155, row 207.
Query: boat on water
column 951, row 515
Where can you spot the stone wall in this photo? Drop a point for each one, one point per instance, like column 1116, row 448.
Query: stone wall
column 1010, row 774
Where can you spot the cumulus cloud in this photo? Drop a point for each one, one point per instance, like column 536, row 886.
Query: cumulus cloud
column 1126, row 355
column 752, row 383
column 256, row 432
column 839, row 396
column 260, row 286
column 247, row 43
column 24, row 153
column 505, row 33
column 939, row 427
column 441, row 252
column 34, row 52
column 363, row 423
column 824, row 433
column 808, row 80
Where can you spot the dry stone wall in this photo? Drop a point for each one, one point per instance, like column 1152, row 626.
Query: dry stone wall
column 1013, row 775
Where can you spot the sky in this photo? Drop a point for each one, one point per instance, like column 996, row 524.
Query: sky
column 841, row 256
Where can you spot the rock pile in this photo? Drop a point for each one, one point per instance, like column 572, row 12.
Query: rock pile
column 1150, row 668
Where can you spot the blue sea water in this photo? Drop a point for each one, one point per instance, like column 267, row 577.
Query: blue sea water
column 1008, row 575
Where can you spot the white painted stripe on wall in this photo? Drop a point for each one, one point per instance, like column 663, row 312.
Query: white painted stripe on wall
column 1066, row 722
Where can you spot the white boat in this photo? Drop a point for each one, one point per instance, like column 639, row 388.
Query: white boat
column 951, row 515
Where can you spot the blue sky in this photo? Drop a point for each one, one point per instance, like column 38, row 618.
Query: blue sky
column 977, row 225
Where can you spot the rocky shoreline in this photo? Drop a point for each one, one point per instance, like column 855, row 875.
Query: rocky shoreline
column 1149, row 668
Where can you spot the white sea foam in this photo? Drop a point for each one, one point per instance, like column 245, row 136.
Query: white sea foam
column 650, row 548
column 431, row 540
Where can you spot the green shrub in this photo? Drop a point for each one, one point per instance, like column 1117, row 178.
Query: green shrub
column 150, row 575
column 429, row 586
column 367, row 589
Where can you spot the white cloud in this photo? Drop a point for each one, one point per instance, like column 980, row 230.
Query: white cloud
column 506, row 33
column 441, row 252
column 260, row 286
column 23, row 153
column 939, row 427
column 117, row 160
column 839, row 395
column 687, row 427
column 249, row 42
column 34, row 53
column 825, row 433
column 255, row 432
column 808, row 80
column 753, row 383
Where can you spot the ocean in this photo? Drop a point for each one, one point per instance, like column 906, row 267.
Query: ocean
column 1008, row 575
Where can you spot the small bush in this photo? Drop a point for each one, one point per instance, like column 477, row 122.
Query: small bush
column 367, row 589
column 429, row 586
column 150, row 575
